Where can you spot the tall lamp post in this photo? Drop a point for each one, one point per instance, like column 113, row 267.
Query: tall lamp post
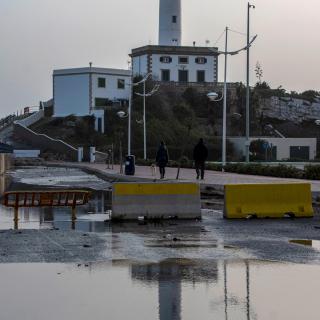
column 132, row 84
column 214, row 96
column 248, row 87
column 145, row 95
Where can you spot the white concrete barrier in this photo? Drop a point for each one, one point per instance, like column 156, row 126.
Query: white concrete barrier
column 132, row 201
column 26, row 153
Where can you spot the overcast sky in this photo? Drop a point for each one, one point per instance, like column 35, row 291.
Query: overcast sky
column 38, row 36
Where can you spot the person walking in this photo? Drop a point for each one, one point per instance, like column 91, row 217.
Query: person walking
column 200, row 155
column 162, row 159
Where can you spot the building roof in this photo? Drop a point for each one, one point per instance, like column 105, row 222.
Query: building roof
column 87, row 70
column 204, row 51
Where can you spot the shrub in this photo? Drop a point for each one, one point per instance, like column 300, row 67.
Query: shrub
column 312, row 172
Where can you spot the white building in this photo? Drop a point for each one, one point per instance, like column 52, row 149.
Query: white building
column 171, row 62
column 177, row 64
column 283, row 149
column 86, row 91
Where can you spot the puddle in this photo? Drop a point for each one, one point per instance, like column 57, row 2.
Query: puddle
column 309, row 243
column 174, row 289
column 58, row 177
column 92, row 217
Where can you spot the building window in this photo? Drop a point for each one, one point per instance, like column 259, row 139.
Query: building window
column 174, row 19
column 201, row 76
column 201, row 60
column 101, row 102
column 121, row 84
column 183, row 60
column 183, row 76
column 165, row 75
column 165, row 59
column 101, row 82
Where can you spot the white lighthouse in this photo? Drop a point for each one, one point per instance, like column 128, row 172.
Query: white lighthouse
column 170, row 23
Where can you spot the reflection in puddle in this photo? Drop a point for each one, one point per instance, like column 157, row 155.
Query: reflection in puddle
column 310, row 243
column 90, row 218
column 169, row 290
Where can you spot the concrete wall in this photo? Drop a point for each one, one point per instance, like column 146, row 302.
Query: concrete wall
column 43, row 142
column 283, row 145
column 29, row 121
column 26, row 153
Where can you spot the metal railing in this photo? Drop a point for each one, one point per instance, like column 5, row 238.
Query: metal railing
column 36, row 199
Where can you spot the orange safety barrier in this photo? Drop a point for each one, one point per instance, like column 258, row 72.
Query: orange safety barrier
column 52, row 198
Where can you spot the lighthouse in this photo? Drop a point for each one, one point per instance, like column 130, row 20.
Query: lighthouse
column 170, row 23
column 171, row 62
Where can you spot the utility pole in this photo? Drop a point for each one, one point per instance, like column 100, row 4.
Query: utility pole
column 248, row 87
column 224, row 125
column 144, row 122
column 129, row 118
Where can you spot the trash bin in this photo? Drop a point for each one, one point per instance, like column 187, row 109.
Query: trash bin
column 130, row 166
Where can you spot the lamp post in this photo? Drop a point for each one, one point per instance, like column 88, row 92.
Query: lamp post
column 248, row 87
column 213, row 96
column 224, row 122
column 145, row 95
column 132, row 84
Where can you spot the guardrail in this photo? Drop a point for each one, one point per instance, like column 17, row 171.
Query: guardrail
column 36, row 199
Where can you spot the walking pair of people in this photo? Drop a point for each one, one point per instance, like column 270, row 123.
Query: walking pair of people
column 200, row 155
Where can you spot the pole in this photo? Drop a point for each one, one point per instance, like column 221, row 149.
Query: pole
column 129, row 118
column 144, row 121
column 224, row 125
column 248, row 89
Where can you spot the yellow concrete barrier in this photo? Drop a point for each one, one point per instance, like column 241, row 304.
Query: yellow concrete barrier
column 268, row 200
column 131, row 201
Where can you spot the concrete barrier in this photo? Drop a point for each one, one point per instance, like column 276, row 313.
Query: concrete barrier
column 268, row 201
column 5, row 162
column 131, row 201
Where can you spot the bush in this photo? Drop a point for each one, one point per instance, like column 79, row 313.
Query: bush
column 312, row 172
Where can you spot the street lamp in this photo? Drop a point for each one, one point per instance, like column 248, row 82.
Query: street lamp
column 144, row 95
column 132, row 84
column 224, row 125
column 248, row 87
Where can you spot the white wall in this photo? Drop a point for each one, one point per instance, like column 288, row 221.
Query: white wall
column 71, row 95
column 192, row 67
column 283, row 145
column 111, row 90
column 140, row 65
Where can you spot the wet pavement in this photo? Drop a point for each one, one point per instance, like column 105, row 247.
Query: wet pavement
column 174, row 270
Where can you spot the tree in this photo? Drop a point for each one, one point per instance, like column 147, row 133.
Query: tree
column 259, row 72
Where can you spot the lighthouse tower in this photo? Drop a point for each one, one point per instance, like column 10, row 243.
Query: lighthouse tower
column 170, row 23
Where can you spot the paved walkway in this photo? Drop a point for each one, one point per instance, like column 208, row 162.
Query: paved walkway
column 214, row 178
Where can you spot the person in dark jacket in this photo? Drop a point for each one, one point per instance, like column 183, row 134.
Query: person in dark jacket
column 200, row 155
column 162, row 159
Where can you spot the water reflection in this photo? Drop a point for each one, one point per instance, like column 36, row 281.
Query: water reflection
column 175, row 289
column 5, row 182
column 169, row 275
column 90, row 218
